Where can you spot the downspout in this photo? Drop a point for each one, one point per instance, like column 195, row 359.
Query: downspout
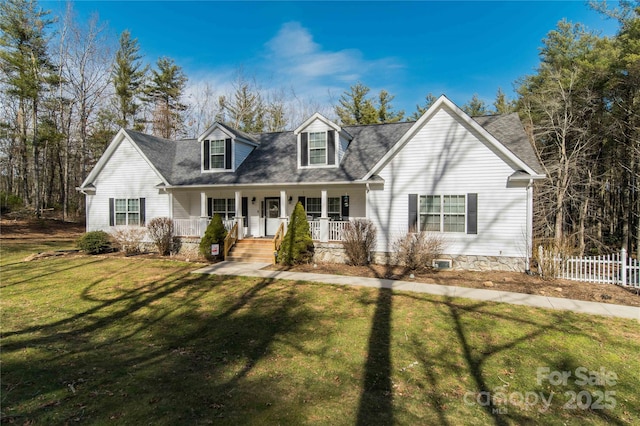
column 529, row 237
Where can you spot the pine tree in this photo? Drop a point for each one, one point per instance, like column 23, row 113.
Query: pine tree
column 297, row 245
column 420, row 110
column 128, row 78
column 214, row 234
column 355, row 107
column 475, row 107
column 27, row 74
column 385, row 110
column 502, row 105
column 164, row 91
column 245, row 110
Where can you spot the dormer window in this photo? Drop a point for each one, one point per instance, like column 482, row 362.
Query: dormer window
column 217, row 154
column 317, row 148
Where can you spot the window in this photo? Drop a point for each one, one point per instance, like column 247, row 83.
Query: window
column 216, row 150
column 444, row 213
column 225, row 207
column 318, row 148
column 127, row 211
column 430, row 213
column 314, row 208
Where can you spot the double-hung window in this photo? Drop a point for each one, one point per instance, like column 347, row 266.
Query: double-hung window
column 216, row 150
column 225, row 207
column 318, row 148
column 127, row 211
column 442, row 213
column 314, row 208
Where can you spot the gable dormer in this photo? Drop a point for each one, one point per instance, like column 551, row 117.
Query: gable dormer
column 320, row 142
column 223, row 149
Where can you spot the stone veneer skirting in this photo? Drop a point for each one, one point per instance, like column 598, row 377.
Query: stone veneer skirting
column 188, row 246
column 334, row 253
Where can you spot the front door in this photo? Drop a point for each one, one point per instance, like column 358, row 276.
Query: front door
column 272, row 215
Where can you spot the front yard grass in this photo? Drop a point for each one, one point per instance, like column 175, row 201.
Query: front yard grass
column 139, row 341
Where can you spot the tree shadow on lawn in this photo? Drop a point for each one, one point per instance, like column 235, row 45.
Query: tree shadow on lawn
column 139, row 358
column 494, row 400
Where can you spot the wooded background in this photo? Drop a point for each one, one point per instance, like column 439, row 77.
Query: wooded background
column 67, row 87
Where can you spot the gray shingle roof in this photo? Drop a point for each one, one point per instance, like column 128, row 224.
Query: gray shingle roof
column 274, row 160
column 508, row 130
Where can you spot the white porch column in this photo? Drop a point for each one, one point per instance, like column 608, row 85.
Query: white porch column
column 324, row 217
column 204, row 220
column 283, row 209
column 203, row 204
column 239, row 219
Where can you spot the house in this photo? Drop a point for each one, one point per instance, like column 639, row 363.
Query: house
column 469, row 179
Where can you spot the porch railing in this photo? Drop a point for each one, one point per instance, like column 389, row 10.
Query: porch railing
column 336, row 229
column 230, row 240
column 277, row 242
column 314, row 227
column 196, row 227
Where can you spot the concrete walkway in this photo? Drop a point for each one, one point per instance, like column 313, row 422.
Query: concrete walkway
column 255, row 270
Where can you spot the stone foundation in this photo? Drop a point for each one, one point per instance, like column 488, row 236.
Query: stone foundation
column 188, row 246
column 329, row 253
column 334, row 253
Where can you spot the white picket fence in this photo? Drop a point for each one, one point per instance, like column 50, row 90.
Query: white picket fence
column 615, row 268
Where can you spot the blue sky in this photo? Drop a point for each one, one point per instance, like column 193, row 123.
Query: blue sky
column 319, row 49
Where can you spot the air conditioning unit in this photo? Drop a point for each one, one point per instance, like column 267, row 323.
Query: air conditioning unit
column 442, row 263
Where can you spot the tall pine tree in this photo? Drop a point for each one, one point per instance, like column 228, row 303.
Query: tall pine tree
column 27, row 74
column 128, row 78
column 164, row 91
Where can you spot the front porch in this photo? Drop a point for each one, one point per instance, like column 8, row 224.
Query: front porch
column 259, row 212
column 321, row 230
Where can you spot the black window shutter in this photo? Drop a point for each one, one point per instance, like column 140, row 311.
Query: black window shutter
column 303, row 201
column 344, row 209
column 331, row 147
column 112, row 213
column 304, row 150
column 472, row 213
column 227, row 154
column 143, row 212
column 207, row 157
column 245, row 210
column 210, row 207
column 413, row 212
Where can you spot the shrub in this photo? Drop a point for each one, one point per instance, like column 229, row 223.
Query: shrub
column 551, row 256
column 10, row 202
column 160, row 231
column 215, row 234
column 129, row 239
column 297, row 245
column 94, row 242
column 416, row 251
column 359, row 241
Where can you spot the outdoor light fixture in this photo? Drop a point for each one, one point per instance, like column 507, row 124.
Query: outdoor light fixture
column 290, row 199
column 253, row 200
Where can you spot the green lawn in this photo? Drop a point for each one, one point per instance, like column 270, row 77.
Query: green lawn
column 138, row 341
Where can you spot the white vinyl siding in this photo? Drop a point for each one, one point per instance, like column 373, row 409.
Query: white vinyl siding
column 446, row 157
column 125, row 175
column 242, row 151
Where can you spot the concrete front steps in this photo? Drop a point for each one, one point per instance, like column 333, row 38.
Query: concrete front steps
column 252, row 250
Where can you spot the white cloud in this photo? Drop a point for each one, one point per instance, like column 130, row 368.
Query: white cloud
column 296, row 58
